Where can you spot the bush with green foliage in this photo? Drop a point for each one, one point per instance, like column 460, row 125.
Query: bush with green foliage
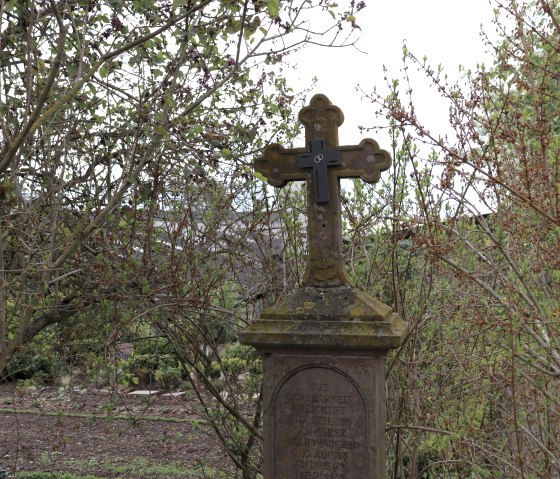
column 481, row 208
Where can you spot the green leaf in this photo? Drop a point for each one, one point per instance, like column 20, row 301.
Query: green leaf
column 72, row 69
column 10, row 4
column 169, row 100
column 260, row 176
column 104, row 71
column 273, row 8
column 161, row 130
column 40, row 65
column 248, row 33
column 233, row 26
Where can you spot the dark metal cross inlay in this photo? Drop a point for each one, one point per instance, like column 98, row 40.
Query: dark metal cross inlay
column 320, row 159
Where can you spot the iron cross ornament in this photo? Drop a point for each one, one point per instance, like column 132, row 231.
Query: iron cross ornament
column 319, row 159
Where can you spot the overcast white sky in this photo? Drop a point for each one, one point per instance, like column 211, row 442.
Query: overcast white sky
column 446, row 31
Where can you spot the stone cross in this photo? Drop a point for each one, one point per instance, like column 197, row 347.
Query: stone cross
column 325, row 344
column 322, row 165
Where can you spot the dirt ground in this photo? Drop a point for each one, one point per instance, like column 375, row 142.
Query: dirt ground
column 75, row 434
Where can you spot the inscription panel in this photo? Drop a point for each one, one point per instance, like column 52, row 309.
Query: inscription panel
column 320, row 426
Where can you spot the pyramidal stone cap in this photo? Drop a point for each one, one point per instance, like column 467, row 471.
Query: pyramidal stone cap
column 340, row 318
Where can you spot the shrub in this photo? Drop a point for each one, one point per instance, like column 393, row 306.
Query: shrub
column 36, row 365
column 169, row 378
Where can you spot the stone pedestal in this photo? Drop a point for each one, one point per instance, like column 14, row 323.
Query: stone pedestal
column 324, row 353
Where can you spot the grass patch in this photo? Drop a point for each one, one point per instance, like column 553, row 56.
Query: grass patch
column 122, row 468
column 142, row 466
column 137, row 466
column 104, row 417
column 53, row 475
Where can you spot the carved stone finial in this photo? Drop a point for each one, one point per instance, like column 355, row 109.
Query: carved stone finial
column 321, row 119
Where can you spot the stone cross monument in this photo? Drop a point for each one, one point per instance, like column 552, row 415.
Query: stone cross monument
column 324, row 346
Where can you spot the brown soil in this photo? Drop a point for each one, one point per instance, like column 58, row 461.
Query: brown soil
column 88, row 433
